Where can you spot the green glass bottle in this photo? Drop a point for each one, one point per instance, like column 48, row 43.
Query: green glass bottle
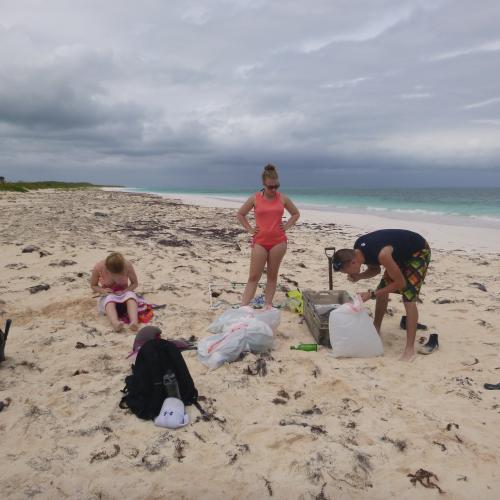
column 304, row 347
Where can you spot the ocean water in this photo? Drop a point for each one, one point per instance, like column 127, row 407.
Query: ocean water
column 469, row 206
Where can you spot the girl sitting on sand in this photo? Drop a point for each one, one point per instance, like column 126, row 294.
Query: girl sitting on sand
column 110, row 278
column 269, row 239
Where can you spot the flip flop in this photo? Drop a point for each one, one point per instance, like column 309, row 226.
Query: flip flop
column 492, row 387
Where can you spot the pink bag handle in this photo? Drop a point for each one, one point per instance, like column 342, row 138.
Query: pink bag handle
column 233, row 329
column 356, row 305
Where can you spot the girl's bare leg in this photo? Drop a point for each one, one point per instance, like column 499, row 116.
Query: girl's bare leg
column 112, row 314
column 258, row 259
column 132, row 314
column 274, row 258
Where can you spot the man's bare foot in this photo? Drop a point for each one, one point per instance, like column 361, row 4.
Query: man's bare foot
column 118, row 327
column 408, row 356
column 133, row 327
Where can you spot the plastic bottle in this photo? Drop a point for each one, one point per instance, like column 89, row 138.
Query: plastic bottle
column 171, row 386
column 304, row 347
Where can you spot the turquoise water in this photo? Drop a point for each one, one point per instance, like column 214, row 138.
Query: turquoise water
column 473, row 203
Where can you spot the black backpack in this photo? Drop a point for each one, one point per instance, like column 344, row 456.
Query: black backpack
column 144, row 389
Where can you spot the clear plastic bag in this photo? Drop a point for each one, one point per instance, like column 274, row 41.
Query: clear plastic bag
column 215, row 350
column 352, row 333
column 259, row 336
column 270, row 317
column 229, row 317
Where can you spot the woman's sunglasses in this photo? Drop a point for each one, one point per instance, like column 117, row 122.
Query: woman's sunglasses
column 274, row 186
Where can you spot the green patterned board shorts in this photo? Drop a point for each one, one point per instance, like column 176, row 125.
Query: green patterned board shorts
column 414, row 271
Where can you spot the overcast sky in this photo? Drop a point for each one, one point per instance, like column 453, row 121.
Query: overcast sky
column 204, row 93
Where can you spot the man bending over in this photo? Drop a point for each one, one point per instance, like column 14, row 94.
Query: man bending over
column 405, row 255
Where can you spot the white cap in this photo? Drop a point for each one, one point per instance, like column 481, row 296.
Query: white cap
column 172, row 414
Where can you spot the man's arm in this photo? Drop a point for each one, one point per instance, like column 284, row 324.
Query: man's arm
column 396, row 276
column 368, row 273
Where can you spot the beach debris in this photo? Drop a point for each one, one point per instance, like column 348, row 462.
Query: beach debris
column 259, row 368
column 153, row 461
column 44, row 253
column 476, row 361
column 28, row 364
column 104, row 454
column 5, row 403
column 484, row 323
column 479, row 286
column 441, row 445
column 268, row 486
column 179, row 449
column 442, row 301
column 79, row 372
column 16, row 266
column 492, row 387
column 30, row 249
column 451, row 425
column 321, row 495
column 289, row 280
column 279, row 401
column 424, row 477
column 175, row 243
column 66, row 388
column 315, row 429
column 283, row 394
column 242, row 449
column 196, row 435
column 400, row 444
column 81, row 345
column 312, row 411
column 39, row 288
column 63, row 263
column 208, row 414
column 462, row 478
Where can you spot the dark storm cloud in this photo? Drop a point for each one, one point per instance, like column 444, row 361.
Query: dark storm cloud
column 179, row 92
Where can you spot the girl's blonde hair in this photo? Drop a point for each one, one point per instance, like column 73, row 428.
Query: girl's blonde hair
column 269, row 172
column 115, row 263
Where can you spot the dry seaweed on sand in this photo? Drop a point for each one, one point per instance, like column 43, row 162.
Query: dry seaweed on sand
column 105, row 455
column 424, row 477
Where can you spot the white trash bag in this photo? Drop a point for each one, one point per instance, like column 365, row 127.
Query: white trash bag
column 270, row 316
column 259, row 336
column 352, row 333
column 215, row 350
column 229, row 317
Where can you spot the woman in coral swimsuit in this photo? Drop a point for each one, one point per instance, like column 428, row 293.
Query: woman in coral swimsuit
column 269, row 239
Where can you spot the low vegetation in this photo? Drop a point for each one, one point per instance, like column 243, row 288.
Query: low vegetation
column 24, row 187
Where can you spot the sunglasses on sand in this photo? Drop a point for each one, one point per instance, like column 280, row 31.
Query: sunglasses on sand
column 273, row 186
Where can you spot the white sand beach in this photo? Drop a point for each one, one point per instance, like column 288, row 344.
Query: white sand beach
column 312, row 427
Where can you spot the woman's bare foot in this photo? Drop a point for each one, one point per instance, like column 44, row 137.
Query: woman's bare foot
column 408, row 355
column 118, row 327
column 133, row 327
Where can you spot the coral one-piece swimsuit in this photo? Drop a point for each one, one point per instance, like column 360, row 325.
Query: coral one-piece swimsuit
column 268, row 214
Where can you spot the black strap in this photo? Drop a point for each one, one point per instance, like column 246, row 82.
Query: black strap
column 201, row 410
